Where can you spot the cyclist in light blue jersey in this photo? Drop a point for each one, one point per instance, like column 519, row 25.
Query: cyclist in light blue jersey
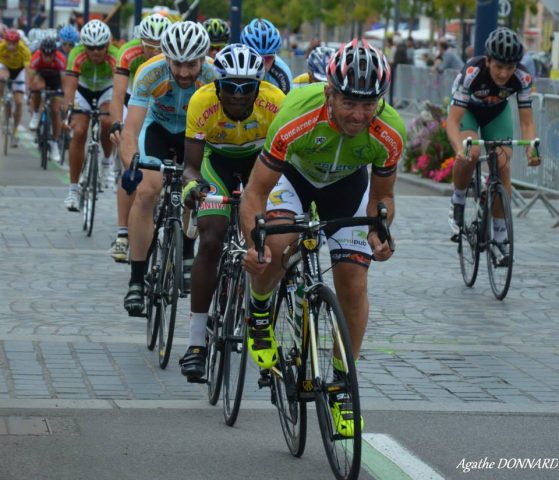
column 154, row 128
column 264, row 37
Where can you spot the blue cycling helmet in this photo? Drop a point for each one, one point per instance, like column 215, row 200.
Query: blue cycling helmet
column 69, row 34
column 261, row 35
column 318, row 60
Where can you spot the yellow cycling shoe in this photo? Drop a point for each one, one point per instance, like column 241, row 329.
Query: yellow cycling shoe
column 262, row 345
column 342, row 415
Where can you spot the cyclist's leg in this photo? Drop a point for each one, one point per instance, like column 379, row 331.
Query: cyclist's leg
column 35, row 88
column 4, row 76
column 18, row 88
column 106, row 163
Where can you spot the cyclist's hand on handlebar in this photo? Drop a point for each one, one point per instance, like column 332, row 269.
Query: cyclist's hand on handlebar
column 381, row 250
column 533, row 157
column 251, row 263
column 114, row 132
column 127, row 183
column 193, row 191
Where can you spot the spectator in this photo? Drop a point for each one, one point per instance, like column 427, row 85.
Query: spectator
column 39, row 18
column 315, row 42
column 447, row 59
column 410, row 50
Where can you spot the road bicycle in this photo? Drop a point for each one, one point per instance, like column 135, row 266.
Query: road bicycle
column 315, row 359
column 44, row 129
column 483, row 202
column 226, row 331
column 89, row 181
column 163, row 277
column 7, row 114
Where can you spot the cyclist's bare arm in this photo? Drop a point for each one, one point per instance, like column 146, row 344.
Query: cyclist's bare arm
column 528, row 132
column 120, row 86
column 131, row 132
column 262, row 180
column 69, row 85
column 455, row 115
column 193, row 156
column 382, row 190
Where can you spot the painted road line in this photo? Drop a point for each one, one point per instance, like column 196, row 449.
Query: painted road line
column 385, row 459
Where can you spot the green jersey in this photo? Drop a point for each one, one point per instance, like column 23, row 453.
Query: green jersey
column 304, row 135
column 92, row 76
column 130, row 57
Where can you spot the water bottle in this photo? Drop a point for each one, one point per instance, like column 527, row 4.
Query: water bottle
column 192, row 230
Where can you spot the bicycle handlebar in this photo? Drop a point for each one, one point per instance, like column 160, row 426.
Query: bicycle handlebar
column 302, row 225
column 467, row 143
column 166, row 167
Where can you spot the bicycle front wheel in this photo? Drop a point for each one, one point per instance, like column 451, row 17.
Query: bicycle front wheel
column 336, row 389
column 499, row 253
column 468, row 242
column 171, row 278
column 152, row 294
column 89, row 190
column 286, row 375
column 44, row 140
column 7, row 125
column 235, row 351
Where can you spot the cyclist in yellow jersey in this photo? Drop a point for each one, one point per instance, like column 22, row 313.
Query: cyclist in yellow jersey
column 227, row 122
column 14, row 58
column 317, row 63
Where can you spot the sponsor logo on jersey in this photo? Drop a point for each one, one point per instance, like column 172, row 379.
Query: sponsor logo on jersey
column 227, row 125
column 251, row 125
column 165, row 108
column 266, row 105
column 200, row 136
column 481, row 93
column 203, row 118
column 278, row 197
column 471, row 73
column 319, row 140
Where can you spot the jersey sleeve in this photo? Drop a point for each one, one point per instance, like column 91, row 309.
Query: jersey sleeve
column 35, row 61
column 75, row 60
column 524, row 94
column 26, row 53
column 200, row 109
column 391, row 138
column 461, row 89
column 144, row 82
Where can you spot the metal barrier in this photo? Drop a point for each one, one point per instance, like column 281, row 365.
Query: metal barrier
column 414, row 85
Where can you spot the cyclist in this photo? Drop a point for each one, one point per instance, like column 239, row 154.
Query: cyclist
column 226, row 126
column 34, row 37
column 45, row 71
column 317, row 63
column 154, row 127
column 89, row 76
column 69, row 38
column 480, row 103
column 318, row 149
column 130, row 56
column 265, row 38
column 219, row 33
column 14, row 58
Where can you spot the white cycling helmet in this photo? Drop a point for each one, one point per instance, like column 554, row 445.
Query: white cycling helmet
column 239, row 61
column 185, row 41
column 153, row 26
column 35, row 35
column 95, row 33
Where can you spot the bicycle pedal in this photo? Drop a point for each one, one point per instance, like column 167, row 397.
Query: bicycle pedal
column 265, row 380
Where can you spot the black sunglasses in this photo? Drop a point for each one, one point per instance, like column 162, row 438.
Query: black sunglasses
column 98, row 47
column 242, row 88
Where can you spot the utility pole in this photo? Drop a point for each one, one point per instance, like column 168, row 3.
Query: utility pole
column 137, row 12
column 235, row 18
column 486, row 21
column 85, row 11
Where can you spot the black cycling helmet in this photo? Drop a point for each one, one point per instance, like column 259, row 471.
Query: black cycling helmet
column 504, row 45
column 48, row 45
column 359, row 70
column 218, row 30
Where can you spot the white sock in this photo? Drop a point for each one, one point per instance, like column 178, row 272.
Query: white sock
column 198, row 322
column 74, row 187
column 459, row 196
column 499, row 230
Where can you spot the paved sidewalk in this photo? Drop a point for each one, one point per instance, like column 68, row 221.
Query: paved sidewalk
column 431, row 342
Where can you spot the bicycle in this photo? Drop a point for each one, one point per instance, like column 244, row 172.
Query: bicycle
column 89, row 182
column 7, row 107
column 163, row 277
column 226, row 331
column 44, row 129
column 310, row 329
column 477, row 232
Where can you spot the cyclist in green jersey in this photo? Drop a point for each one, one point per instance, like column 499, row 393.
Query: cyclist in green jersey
column 89, row 76
column 130, row 56
column 318, row 149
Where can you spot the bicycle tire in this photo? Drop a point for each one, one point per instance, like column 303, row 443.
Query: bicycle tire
column 152, row 296
column 7, row 125
column 291, row 411
column 235, row 347
column 343, row 452
column 43, row 140
column 89, row 192
column 499, row 275
column 171, row 278
column 468, row 240
column 64, row 145
column 215, row 340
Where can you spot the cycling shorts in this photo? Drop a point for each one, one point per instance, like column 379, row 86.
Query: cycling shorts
column 84, row 98
column 17, row 76
column 51, row 78
column 156, row 143
column 224, row 174
column 347, row 197
column 499, row 127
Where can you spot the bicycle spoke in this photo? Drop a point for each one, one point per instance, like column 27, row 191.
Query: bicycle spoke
column 468, row 243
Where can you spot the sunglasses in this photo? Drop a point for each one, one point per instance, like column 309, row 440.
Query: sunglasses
column 217, row 46
column 98, row 47
column 68, row 44
column 242, row 88
column 157, row 48
column 268, row 58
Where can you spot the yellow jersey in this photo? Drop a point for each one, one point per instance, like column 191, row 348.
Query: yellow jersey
column 206, row 121
column 16, row 59
column 301, row 80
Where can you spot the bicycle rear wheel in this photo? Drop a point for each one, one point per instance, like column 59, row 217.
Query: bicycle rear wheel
column 44, row 140
column 235, row 351
column 171, row 278
column 499, row 254
column 468, row 241
column 7, row 124
column 89, row 190
column 286, row 375
column 152, row 294
column 215, row 333
column 342, row 449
